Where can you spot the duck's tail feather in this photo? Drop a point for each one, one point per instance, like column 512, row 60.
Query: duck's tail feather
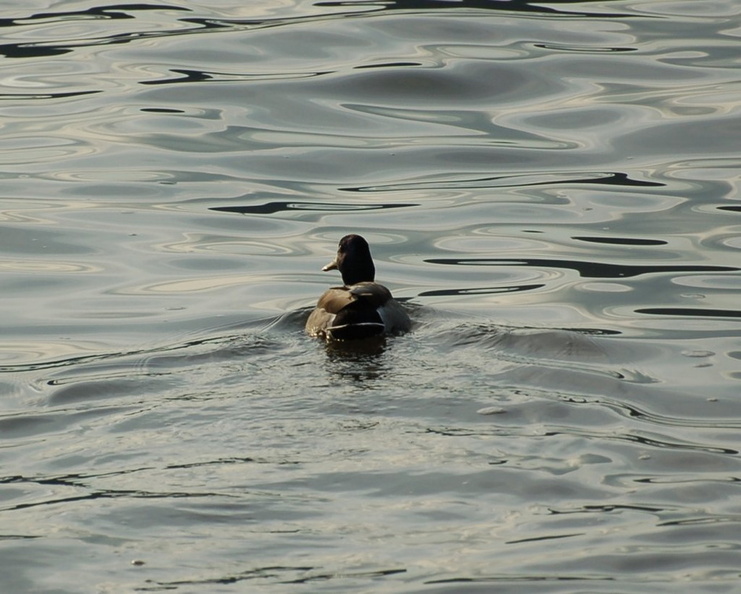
column 351, row 324
column 355, row 331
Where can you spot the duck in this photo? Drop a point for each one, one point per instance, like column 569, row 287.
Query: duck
column 361, row 308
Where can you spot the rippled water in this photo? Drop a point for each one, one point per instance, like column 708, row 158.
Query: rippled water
column 553, row 190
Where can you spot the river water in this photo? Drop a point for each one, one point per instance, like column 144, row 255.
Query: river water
column 552, row 190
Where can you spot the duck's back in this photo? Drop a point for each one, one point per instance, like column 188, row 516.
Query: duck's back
column 359, row 311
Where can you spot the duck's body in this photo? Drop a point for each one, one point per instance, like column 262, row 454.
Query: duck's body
column 362, row 308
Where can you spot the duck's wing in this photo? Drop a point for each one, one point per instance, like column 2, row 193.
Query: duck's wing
column 349, row 312
column 329, row 304
column 336, row 299
column 371, row 294
column 395, row 318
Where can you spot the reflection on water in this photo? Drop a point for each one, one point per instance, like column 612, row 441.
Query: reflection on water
column 587, row 269
column 550, row 189
column 277, row 207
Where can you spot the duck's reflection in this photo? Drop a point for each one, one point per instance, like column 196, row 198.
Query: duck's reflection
column 358, row 360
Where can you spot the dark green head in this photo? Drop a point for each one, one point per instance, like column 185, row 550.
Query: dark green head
column 353, row 260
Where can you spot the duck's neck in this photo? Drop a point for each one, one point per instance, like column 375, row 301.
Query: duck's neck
column 356, row 274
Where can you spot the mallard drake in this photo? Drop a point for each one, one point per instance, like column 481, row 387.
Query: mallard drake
column 361, row 308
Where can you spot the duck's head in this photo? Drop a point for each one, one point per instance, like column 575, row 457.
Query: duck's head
column 353, row 260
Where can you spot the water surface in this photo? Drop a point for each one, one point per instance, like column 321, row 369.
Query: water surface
column 551, row 189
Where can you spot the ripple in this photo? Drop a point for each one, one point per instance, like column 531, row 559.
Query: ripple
column 45, row 150
column 201, row 243
column 190, row 285
column 60, row 24
column 275, row 207
column 687, row 312
column 585, row 269
column 605, row 287
column 702, row 281
column 47, row 266
column 516, row 181
column 622, row 240
column 26, row 356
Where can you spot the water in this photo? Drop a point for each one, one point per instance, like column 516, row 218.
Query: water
column 551, row 188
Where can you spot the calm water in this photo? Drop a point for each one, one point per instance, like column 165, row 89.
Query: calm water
column 552, row 188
